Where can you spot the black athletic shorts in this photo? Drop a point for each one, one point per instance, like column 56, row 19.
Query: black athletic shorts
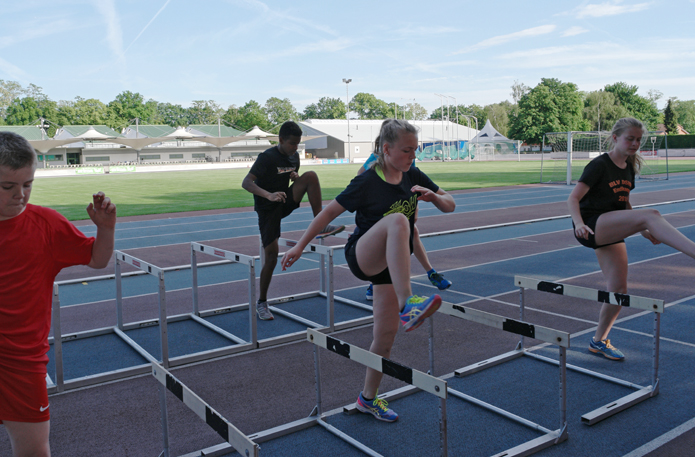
column 590, row 222
column 269, row 219
column 351, row 256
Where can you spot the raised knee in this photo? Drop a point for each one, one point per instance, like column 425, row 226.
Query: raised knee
column 399, row 220
column 652, row 213
column 311, row 176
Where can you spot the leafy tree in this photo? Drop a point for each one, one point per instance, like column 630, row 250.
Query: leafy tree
column 171, row 115
column 518, row 91
column 685, row 113
column 670, row 119
column 26, row 110
column 231, row 116
column 9, row 90
column 279, row 111
column 601, row 110
column 204, row 112
column 637, row 106
column 537, row 115
column 551, row 106
column 325, row 108
column 415, row 111
column 252, row 114
column 498, row 114
column 127, row 106
column 367, row 106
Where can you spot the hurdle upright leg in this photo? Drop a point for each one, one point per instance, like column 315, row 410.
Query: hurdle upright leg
column 119, row 293
column 253, row 324
column 655, row 354
column 163, row 321
column 194, row 281
column 165, row 419
column 57, row 340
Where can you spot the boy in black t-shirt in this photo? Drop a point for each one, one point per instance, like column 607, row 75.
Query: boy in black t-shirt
column 602, row 217
column 274, row 198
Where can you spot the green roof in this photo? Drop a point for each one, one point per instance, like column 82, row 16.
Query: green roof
column 30, row 132
column 149, row 131
column 214, row 130
column 78, row 130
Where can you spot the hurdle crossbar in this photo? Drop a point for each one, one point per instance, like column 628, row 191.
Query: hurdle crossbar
column 415, row 378
column 519, row 327
column 233, row 257
column 648, row 304
column 232, row 435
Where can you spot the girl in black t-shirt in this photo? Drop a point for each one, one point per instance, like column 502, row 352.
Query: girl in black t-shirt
column 603, row 217
column 385, row 200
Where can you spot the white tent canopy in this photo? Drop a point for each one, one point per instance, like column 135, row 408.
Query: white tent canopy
column 489, row 134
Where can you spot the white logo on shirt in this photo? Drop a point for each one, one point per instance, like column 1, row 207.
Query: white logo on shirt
column 42, row 409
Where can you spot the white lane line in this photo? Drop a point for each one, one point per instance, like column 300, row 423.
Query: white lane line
column 663, row 439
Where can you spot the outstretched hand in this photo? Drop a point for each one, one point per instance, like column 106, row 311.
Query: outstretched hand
column 426, row 195
column 101, row 211
column 650, row 237
column 290, row 257
column 583, row 231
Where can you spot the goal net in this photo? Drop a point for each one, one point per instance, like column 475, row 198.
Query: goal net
column 571, row 151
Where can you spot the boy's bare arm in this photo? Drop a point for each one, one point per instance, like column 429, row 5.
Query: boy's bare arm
column 103, row 213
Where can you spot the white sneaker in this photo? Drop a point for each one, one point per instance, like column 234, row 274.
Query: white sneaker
column 263, row 312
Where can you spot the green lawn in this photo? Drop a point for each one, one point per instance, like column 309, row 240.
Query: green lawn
column 169, row 192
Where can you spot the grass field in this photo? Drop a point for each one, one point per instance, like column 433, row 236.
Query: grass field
column 176, row 191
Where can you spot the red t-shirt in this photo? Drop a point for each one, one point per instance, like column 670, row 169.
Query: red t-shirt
column 34, row 247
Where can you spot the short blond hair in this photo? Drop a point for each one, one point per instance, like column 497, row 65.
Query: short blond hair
column 16, row 152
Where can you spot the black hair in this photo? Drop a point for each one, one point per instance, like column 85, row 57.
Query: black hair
column 290, row 128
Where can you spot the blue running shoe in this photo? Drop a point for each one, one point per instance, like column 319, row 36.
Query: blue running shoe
column 370, row 292
column 377, row 408
column 417, row 309
column 437, row 280
column 606, row 349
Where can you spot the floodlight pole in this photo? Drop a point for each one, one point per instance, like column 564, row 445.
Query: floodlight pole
column 457, row 121
column 441, row 100
column 347, row 116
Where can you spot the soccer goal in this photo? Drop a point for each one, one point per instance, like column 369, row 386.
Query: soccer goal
column 571, row 151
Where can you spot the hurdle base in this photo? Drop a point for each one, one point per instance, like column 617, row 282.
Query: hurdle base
column 535, row 445
column 491, row 362
column 619, row 405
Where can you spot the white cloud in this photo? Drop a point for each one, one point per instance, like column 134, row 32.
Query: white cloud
column 37, row 29
column 13, row 72
column 502, row 39
column 609, row 9
column 114, row 35
column 572, row 31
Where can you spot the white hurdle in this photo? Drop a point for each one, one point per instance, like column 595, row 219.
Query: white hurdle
column 417, row 379
column 648, row 304
column 232, row 435
column 519, row 327
column 326, row 290
column 232, row 257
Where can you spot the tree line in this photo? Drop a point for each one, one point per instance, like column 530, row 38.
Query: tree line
column 550, row 106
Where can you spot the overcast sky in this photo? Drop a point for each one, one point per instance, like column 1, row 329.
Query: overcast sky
column 233, row 51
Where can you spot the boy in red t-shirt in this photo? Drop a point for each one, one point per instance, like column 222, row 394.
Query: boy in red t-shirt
column 35, row 244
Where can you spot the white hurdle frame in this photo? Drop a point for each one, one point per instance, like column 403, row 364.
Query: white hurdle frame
column 518, row 327
column 232, row 435
column 417, row 379
column 232, row 257
column 326, row 290
column 648, row 304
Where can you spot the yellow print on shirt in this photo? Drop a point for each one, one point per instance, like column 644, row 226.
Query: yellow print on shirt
column 406, row 207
